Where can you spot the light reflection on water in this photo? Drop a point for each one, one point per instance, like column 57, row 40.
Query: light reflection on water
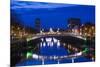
column 52, row 47
column 49, row 42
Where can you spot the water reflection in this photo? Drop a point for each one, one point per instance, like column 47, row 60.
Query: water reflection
column 50, row 42
column 53, row 51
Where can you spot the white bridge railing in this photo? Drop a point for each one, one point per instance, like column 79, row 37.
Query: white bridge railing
column 55, row 34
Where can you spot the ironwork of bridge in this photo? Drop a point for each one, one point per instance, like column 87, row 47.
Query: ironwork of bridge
column 55, row 34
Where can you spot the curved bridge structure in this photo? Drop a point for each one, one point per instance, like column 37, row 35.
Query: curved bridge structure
column 48, row 34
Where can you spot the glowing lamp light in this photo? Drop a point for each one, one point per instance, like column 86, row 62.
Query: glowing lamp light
column 73, row 30
column 29, row 54
column 58, row 43
column 80, row 29
column 55, row 40
column 35, row 56
column 44, row 44
column 15, row 34
column 18, row 28
column 92, row 27
column 85, row 39
column 41, row 31
column 85, row 33
column 80, row 33
column 55, row 57
column 85, row 28
column 68, row 46
column 48, row 39
column 51, row 30
column 79, row 54
column 64, row 44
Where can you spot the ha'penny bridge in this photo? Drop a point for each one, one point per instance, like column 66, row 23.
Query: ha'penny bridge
column 51, row 33
column 55, row 34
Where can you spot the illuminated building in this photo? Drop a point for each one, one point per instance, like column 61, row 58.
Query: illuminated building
column 88, row 29
column 19, row 31
column 74, row 24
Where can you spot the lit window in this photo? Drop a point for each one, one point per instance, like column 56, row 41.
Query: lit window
column 92, row 27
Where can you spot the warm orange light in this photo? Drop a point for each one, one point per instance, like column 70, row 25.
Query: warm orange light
column 80, row 33
column 85, row 33
column 18, row 28
column 85, row 28
column 80, row 29
column 73, row 30
column 15, row 34
column 92, row 27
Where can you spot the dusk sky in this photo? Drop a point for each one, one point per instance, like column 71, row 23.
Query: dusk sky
column 51, row 14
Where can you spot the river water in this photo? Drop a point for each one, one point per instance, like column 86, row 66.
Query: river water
column 51, row 47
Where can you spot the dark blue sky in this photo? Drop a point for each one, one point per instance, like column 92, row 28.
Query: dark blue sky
column 51, row 14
